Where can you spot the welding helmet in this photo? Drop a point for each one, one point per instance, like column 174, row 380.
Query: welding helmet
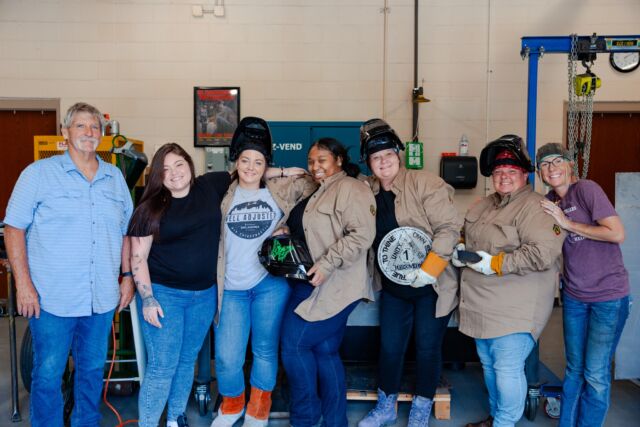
column 252, row 133
column 493, row 154
column 376, row 135
column 285, row 256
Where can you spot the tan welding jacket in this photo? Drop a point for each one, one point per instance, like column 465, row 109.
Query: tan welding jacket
column 339, row 225
column 424, row 201
column 520, row 299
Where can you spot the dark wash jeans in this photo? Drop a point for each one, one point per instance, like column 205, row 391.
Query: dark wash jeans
column 399, row 318
column 312, row 362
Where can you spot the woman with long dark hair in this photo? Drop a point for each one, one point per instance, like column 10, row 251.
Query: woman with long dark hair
column 337, row 222
column 174, row 244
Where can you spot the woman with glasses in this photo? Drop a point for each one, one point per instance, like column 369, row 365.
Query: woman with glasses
column 595, row 294
column 420, row 302
column 506, row 298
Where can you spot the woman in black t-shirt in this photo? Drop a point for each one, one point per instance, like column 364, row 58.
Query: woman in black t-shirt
column 175, row 232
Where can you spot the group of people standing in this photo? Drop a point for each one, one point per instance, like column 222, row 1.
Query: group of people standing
column 193, row 257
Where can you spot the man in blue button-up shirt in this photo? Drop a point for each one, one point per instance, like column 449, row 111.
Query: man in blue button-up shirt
column 65, row 224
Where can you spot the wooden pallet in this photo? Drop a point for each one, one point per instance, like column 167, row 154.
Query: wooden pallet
column 441, row 400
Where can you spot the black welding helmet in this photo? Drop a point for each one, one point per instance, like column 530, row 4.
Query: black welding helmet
column 252, row 133
column 376, row 135
column 492, row 154
column 285, row 256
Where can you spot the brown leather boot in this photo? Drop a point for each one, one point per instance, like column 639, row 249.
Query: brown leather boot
column 484, row 423
column 258, row 408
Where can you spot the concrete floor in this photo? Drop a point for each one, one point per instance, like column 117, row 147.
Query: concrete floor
column 468, row 395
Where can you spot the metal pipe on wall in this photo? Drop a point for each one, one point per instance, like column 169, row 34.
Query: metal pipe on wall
column 415, row 105
column 385, row 28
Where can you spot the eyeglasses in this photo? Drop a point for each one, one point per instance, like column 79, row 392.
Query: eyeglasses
column 556, row 162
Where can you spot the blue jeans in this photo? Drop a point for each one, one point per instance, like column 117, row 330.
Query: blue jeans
column 312, row 362
column 172, row 350
column 53, row 337
column 257, row 310
column 591, row 334
column 502, row 361
column 398, row 318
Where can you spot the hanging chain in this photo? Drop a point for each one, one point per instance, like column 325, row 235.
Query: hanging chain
column 580, row 120
column 573, row 107
column 587, row 139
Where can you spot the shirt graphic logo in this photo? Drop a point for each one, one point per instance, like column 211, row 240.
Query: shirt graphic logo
column 250, row 219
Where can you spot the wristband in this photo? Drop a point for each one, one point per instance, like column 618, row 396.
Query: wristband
column 126, row 274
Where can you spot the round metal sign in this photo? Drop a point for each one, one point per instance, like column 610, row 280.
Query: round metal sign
column 402, row 250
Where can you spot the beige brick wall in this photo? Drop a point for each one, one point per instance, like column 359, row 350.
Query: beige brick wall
column 307, row 60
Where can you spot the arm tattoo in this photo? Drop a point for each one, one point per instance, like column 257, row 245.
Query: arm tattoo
column 149, row 302
column 144, row 289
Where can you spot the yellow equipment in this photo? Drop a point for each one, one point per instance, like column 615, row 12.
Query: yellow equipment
column 584, row 84
column 50, row 145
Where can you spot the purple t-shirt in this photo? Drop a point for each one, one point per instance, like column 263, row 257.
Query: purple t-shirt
column 593, row 270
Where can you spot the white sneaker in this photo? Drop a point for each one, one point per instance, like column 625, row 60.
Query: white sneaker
column 226, row 420
column 250, row 421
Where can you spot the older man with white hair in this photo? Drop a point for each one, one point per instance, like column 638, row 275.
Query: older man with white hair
column 65, row 224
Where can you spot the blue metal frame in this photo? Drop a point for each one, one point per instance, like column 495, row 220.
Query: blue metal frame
column 534, row 48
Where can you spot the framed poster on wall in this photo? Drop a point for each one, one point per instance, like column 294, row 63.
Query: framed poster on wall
column 215, row 115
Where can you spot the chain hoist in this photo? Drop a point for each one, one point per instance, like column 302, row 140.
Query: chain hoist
column 582, row 87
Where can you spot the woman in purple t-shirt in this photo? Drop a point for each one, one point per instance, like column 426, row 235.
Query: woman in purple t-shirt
column 596, row 285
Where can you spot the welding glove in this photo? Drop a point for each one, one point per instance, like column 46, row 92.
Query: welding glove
column 420, row 278
column 489, row 265
column 454, row 257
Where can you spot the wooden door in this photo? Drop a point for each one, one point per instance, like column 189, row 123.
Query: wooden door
column 16, row 152
column 615, row 147
column 16, row 144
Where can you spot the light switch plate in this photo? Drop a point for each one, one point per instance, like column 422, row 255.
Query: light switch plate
column 196, row 11
column 218, row 10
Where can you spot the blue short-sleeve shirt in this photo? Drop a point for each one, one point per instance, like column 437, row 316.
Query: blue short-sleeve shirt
column 74, row 231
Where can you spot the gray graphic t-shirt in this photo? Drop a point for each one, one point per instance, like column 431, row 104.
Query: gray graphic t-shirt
column 252, row 218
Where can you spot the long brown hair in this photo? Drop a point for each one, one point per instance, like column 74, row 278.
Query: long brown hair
column 156, row 198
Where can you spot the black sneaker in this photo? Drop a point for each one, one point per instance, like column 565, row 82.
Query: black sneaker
column 182, row 421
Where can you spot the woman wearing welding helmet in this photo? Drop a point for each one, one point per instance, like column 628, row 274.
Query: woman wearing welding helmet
column 337, row 222
column 252, row 301
column 420, row 292
column 507, row 297
column 595, row 294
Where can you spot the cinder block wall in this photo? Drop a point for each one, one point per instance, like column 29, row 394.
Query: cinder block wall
column 308, row 60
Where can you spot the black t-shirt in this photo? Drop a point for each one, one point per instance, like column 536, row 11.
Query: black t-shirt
column 185, row 255
column 294, row 222
column 296, row 230
column 385, row 222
